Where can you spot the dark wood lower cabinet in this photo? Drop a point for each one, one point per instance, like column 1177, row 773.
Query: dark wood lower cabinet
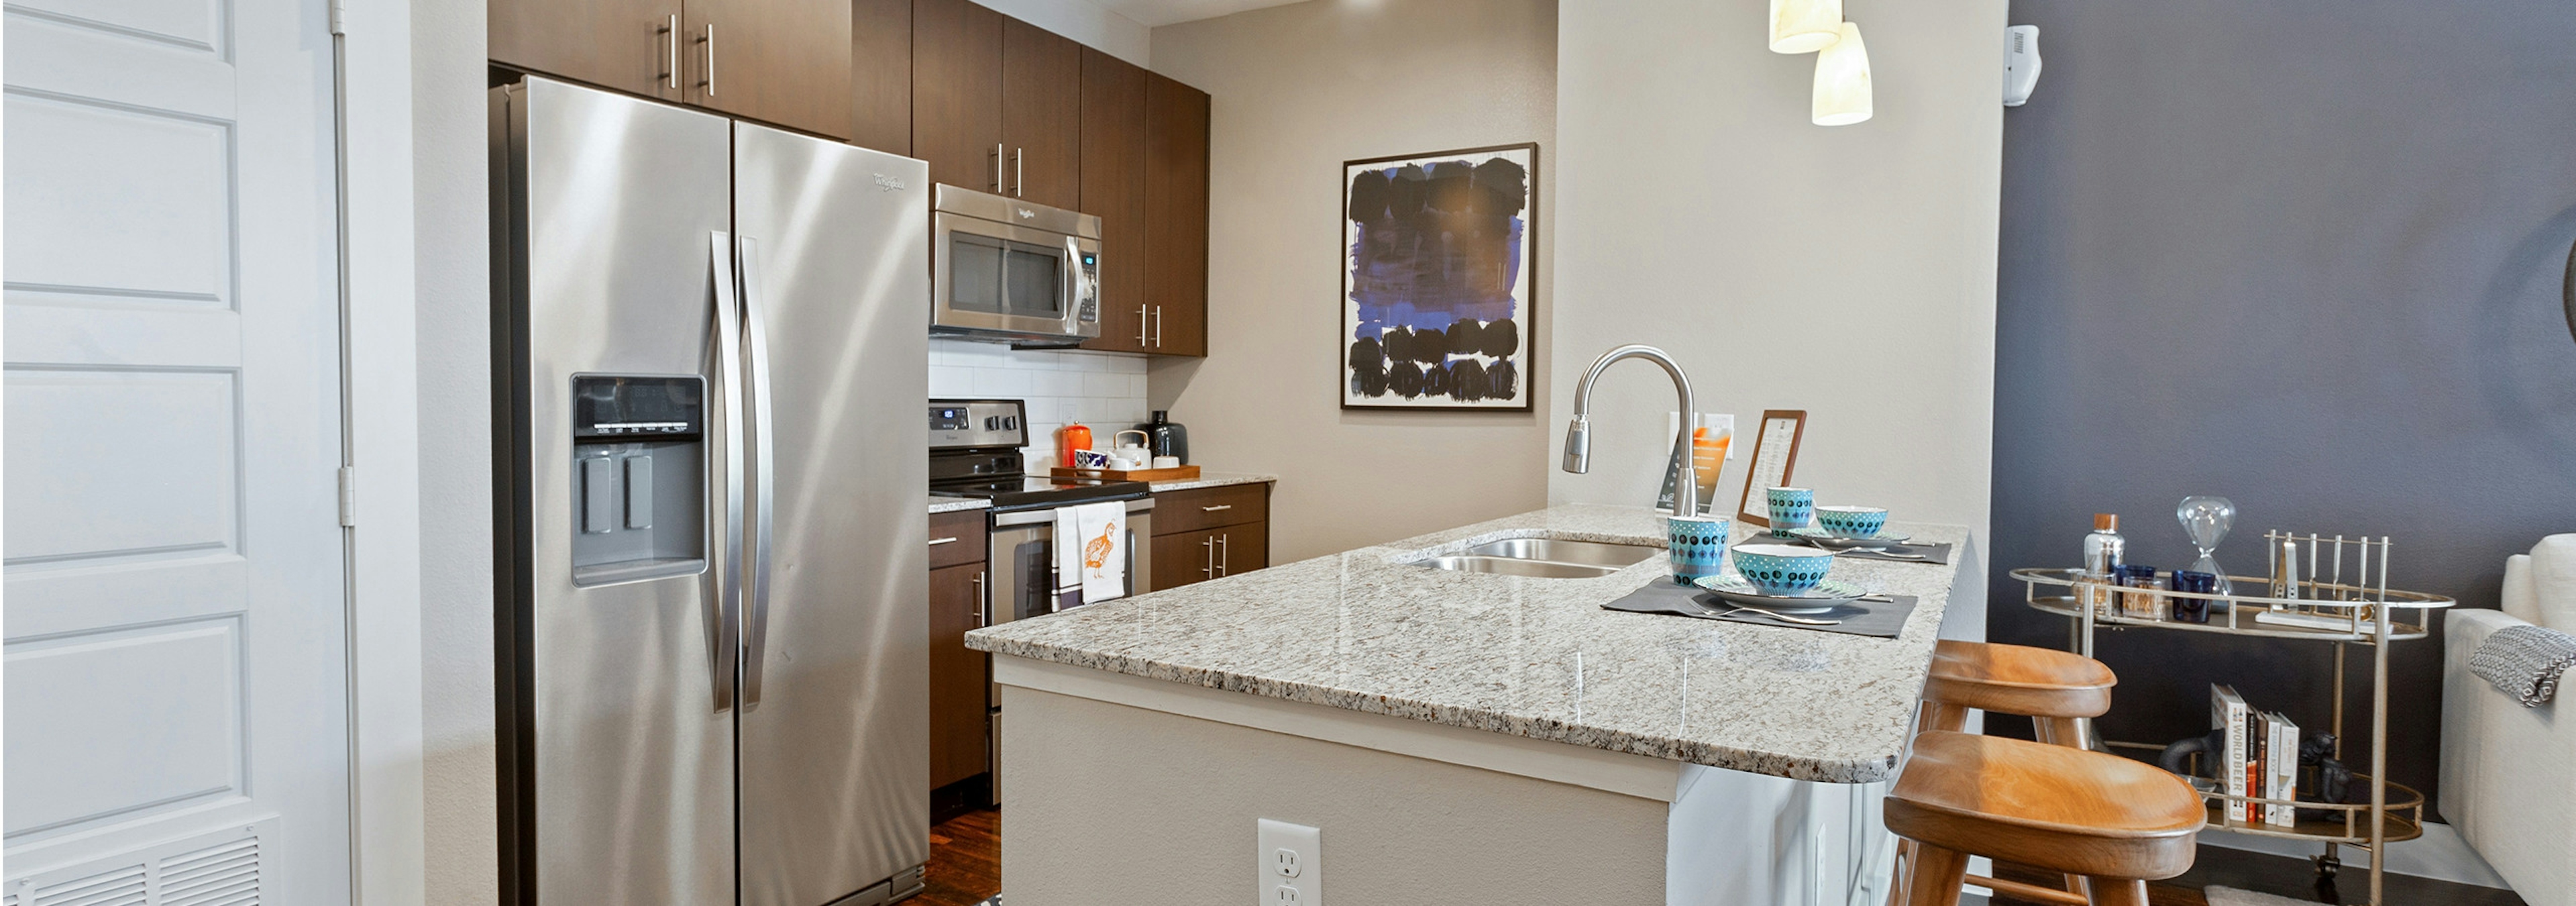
column 957, row 681
column 1187, row 548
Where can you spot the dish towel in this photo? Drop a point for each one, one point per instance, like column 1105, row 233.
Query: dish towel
column 1090, row 553
column 2524, row 662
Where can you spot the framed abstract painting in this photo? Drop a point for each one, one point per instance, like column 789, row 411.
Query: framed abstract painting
column 1439, row 273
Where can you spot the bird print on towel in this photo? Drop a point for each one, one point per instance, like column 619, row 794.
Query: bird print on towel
column 1095, row 553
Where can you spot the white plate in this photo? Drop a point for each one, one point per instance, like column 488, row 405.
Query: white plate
column 1825, row 596
column 1821, row 538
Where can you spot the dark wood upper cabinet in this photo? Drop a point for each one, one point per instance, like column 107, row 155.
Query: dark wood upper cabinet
column 1042, row 114
column 957, row 92
column 881, row 75
column 628, row 45
column 780, row 61
column 1113, row 189
column 1176, row 215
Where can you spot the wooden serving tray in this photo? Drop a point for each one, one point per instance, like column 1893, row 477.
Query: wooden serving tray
column 1175, row 473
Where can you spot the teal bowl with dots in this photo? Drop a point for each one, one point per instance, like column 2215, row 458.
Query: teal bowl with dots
column 1852, row 521
column 1780, row 569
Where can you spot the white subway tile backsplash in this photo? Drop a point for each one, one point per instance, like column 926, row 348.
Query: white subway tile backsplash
column 1103, row 390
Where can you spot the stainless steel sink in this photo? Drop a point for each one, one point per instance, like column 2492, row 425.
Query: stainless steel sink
column 1558, row 550
column 1546, row 558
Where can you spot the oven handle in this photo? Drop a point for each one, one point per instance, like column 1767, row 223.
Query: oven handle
column 1047, row 516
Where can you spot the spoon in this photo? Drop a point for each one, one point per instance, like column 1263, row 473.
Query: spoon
column 1785, row 618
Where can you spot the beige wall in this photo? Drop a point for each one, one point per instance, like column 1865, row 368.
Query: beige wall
column 1847, row 271
column 452, row 266
column 1298, row 90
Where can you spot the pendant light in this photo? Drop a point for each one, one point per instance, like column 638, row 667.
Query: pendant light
column 1805, row 26
column 1842, row 81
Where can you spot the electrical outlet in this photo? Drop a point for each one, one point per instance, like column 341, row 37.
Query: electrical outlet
column 1290, row 868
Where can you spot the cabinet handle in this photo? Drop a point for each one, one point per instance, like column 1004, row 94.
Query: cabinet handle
column 1158, row 327
column 1209, row 545
column 1019, row 173
column 1224, row 553
column 1217, row 508
column 671, row 69
column 710, row 41
column 982, row 619
column 997, row 169
column 1140, row 324
column 935, row 542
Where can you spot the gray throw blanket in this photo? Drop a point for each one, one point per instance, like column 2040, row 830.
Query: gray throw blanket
column 2524, row 662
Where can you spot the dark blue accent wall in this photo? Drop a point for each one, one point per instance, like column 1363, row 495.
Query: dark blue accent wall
column 2304, row 254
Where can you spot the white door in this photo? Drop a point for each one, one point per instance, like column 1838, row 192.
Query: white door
column 176, row 714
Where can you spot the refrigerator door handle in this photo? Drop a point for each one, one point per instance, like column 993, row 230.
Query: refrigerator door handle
column 755, row 630
column 725, row 604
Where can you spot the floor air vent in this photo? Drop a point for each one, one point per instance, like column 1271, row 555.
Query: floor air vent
column 224, row 868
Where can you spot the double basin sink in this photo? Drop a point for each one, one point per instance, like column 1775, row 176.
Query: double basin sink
column 1547, row 558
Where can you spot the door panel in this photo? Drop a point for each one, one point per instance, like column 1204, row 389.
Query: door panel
column 835, row 754
column 957, row 92
column 172, row 398
column 622, row 44
column 881, row 75
column 1181, row 558
column 1176, row 212
column 1041, row 114
column 782, row 61
column 627, row 783
column 1242, row 548
column 957, row 686
column 1113, row 189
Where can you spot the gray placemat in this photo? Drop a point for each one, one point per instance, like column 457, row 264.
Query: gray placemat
column 1872, row 618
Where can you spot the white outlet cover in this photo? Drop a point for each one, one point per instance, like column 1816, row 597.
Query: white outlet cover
column 1288, row 863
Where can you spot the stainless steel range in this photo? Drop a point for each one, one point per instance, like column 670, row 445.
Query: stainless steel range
column 975, row 452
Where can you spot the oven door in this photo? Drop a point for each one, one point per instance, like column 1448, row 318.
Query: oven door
column 1022, row 563
column 1020, row 282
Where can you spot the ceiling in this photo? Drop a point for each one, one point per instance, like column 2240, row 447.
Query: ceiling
column 1151, row 13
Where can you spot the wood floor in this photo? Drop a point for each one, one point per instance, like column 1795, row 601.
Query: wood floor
column 2288, row 877
column 965, row 860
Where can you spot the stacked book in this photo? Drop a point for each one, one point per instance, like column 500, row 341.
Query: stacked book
column 2259, row 759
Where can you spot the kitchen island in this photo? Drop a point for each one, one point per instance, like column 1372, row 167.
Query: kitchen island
column 1455, row 736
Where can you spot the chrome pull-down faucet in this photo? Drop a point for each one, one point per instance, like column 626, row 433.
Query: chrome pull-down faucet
column 1578, row 433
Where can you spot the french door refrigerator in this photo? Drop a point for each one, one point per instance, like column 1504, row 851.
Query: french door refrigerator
column 711, row 552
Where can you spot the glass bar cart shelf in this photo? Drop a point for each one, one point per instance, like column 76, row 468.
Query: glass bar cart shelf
column 2368, row 616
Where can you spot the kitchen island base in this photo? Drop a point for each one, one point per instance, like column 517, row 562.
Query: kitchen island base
column 1139, row 791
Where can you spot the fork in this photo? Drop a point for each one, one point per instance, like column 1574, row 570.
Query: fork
column 1785, row 618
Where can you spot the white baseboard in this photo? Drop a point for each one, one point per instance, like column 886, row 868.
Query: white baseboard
column 2440, row 854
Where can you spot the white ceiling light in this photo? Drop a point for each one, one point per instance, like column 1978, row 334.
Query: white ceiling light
column 1805, row 26
column 1842, row 81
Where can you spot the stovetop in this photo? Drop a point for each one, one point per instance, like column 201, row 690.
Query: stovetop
column 1029, row 492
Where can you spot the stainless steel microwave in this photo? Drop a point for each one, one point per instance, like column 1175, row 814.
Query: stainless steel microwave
column 1003, row 269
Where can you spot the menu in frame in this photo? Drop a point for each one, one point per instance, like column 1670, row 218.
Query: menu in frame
column 1775, row 456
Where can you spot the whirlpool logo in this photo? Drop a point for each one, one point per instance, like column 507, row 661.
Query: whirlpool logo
column 889, row 183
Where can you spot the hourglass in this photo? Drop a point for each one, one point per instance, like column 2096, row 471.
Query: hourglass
column 2206, row 520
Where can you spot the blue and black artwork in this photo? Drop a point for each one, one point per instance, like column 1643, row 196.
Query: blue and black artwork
column 1436, row 287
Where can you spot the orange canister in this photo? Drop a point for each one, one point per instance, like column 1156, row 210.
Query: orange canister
column 1072, row 437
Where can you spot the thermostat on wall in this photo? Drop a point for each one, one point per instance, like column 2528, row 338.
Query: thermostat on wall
column 2021, row 63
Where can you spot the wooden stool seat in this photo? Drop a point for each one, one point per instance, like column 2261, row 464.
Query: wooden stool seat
column 2017, row 679
column 2116, row 821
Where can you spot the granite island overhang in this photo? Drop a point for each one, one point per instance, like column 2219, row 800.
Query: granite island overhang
column 1515, row 706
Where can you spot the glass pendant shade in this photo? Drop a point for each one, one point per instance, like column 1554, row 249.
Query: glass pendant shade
column 1842, row 81
column 1805, row 26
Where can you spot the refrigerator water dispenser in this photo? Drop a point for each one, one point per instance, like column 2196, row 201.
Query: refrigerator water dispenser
column 639, row 460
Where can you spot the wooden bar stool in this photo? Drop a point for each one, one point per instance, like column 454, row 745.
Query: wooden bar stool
column 2057, row 690
column 2115, row 822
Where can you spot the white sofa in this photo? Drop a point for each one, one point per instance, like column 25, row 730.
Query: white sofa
column 2509, row 772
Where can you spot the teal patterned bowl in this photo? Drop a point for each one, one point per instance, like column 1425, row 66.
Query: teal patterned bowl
column 1780, row 569
column 1852, row 521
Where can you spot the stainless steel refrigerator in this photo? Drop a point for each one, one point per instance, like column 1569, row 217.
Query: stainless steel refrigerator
column 711, row 552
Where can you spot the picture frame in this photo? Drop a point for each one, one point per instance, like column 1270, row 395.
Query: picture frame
column 1775, row 458
column 1440, row 280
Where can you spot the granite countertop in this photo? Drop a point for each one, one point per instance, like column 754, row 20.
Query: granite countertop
column 1531, row 657
column 1209, row 479
column 954, row 504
